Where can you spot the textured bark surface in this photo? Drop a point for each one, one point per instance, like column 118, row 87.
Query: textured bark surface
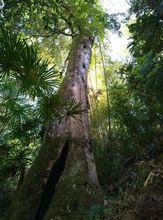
column 78, row 186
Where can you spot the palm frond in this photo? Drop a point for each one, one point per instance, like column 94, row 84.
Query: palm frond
column 15, row 109
column 54, row 107
column 73, row 109
column 11, row 48
column 48, row 107
column 20, row 60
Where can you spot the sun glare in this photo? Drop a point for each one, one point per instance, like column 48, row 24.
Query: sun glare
column 118, row 45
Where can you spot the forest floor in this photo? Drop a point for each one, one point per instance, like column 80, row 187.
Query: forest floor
column 138, row 192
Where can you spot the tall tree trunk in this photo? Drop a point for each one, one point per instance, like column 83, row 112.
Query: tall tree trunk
column 63, row 181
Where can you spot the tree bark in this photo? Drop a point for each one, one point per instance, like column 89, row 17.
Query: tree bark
column 63, row 182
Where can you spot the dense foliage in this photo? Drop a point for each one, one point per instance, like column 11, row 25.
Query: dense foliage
column 126, row 107
column 136, row 115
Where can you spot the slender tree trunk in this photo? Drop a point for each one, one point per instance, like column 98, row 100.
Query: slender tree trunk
column 63, row 182
column 21, row 176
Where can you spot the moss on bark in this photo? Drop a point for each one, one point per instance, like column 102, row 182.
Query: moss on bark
column 74, row 194
column 27, row 200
